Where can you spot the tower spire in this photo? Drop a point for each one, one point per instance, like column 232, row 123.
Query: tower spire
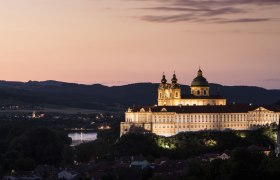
column 163, row 80
column 199, row 72
column 174, row 79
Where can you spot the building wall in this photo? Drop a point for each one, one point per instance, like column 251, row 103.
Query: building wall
column 200, row 91
column 171, row 123
column 191, row 102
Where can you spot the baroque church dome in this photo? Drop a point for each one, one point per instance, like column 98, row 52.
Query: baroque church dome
column 199, row 81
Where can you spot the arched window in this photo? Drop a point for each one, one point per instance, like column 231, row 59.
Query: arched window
column 160, row 95
column 205, row 93
column 198, row 92
column 176, row 94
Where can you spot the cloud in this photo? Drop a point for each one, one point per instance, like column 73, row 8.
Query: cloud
column 244, row 20
column 191, row 18
column 173, row 18
column 223, row 2
column 212, row 11
column 203, row 11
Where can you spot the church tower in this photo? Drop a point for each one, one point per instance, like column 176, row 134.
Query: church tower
column 200, row 86
column 163, row 89
column 169, row 94
column 175, row 88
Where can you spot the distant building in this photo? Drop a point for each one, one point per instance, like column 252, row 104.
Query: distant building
column 223, row 156
column 34, row 115
column 199, row 111
column 139, row 164
column 24, row 175
column 104, row 127
column 37, row 116
column 68, row 175
column 21, row 178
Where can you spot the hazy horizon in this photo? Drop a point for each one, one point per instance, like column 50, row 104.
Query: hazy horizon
column 118, row 41
column 118, row 83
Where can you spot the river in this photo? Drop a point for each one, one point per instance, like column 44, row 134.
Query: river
column 81, row 137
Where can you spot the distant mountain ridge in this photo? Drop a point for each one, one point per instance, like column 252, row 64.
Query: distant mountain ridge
column 98, row 96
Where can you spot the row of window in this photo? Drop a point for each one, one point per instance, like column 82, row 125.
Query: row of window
column 165, row 95
column 201, row 116
column 209, row 118
column 203, row 126
column 201, row 121
column 263, row 115
column 198, row 121
column 216, row 116
column 198, row 92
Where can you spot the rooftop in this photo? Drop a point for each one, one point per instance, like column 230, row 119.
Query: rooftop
column 206, row 109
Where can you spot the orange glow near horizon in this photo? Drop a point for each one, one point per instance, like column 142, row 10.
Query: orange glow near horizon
column 116, row 42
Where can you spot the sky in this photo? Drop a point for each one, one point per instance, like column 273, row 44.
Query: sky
column 115, row 42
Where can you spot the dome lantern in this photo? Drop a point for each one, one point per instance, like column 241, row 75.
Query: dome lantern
column 199, row 72
column 199, row 81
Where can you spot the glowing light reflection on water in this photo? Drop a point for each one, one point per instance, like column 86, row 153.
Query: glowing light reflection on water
column 81, row 137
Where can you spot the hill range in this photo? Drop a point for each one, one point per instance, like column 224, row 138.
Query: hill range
column 100, row 97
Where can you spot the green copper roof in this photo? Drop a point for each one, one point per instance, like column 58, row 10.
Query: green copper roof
column 199, row 80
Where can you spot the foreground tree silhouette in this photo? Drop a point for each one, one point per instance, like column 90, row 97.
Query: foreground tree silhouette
column 39, row 145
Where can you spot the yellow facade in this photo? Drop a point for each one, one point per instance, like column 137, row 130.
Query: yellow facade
column 169, row 94
column 167, row 123
column 191, row 102
column 200, row 111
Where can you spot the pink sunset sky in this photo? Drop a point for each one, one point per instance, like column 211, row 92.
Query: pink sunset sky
column 114, row 42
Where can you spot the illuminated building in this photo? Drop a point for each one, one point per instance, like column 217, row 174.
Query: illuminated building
column 199, row 111
column 33, row 115
column 169, row 94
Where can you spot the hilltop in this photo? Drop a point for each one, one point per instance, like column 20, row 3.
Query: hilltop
column 97, row 96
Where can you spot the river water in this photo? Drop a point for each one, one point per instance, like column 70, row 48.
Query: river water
column 82, row 137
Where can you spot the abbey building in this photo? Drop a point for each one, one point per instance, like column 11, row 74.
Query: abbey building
column 198, row 111
column 169, row 94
